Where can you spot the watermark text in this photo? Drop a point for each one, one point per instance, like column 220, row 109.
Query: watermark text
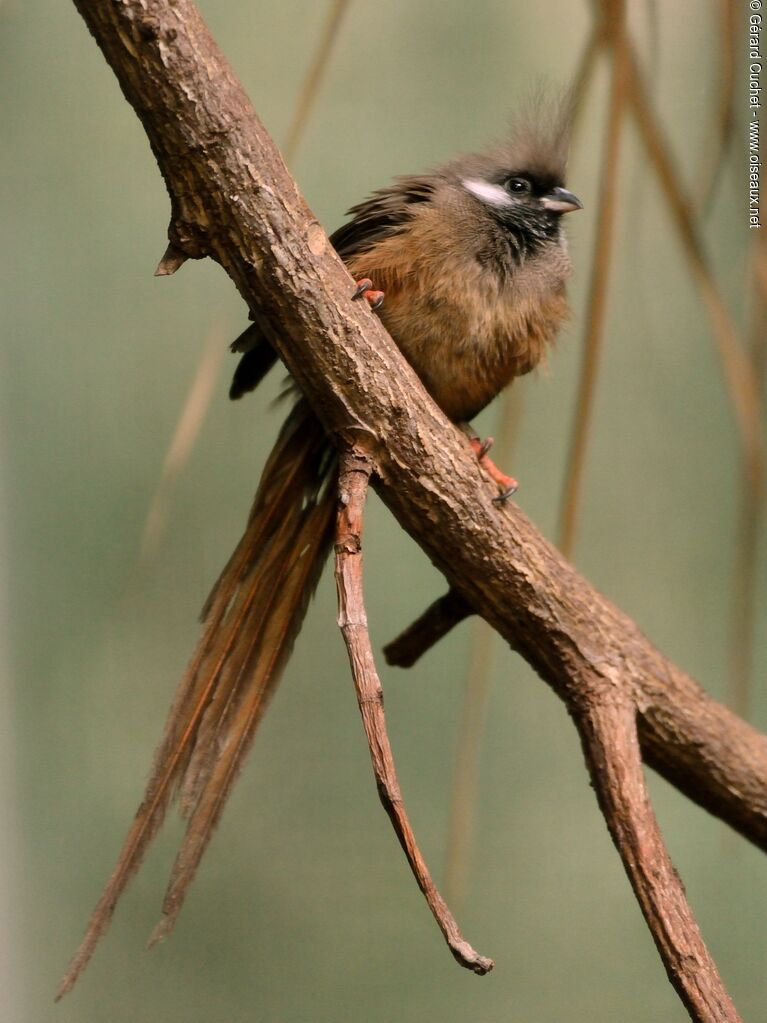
column 755, row 66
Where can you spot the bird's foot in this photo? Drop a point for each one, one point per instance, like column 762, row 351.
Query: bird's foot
column 365, row 287
column 506, row 484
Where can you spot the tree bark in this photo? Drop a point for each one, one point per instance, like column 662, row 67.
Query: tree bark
column 353, row 480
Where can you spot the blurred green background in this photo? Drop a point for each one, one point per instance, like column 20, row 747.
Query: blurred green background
column 304, row 909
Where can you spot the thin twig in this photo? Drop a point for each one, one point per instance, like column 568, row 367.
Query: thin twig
column 461, row 820
column 437, row 620
column 600, row 271
column 611, row 746
column 724, row 124
column 354, row 477
column 740, row 385
column 188, row 426
column 584, row 73
column 313, row 77
column 745, row 574
column 737, row 371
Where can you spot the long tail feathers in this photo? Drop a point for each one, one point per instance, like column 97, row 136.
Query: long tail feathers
column 251, row 620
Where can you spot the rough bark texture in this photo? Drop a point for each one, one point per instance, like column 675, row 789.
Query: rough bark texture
column 232, row 199
column 429, row 628
column 353, row 480
column 609, row 736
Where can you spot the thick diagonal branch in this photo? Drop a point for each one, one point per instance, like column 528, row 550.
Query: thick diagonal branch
column 353, row 479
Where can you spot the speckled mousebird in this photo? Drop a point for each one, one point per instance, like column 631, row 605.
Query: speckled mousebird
column 467, row 267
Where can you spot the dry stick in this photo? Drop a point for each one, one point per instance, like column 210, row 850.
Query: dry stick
column 752, row 499
column 585, row 72
column 724, row 123
column 313, row 77
column 172, row 260
column 353, row 480
column 461, row 816
column 188, row 426
column 233, row 199
column 597, row 300
column 607, row 728
column 740, row 386
column 437, row 620
column 745, row 569
column 735, row 363
column 760, row 269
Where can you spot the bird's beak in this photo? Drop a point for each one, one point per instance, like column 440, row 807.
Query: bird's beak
column 559, row 200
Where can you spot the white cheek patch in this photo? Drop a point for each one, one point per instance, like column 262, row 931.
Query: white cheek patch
column 494, row 195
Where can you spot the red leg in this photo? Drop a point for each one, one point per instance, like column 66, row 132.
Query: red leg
column 506, row 484
column 365, row 287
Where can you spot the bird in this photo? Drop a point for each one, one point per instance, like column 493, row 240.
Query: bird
column 467, row 267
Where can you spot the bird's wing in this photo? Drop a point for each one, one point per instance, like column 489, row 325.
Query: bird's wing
column 384, row 213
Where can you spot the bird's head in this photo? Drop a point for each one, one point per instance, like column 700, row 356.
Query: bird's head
column 519, row 183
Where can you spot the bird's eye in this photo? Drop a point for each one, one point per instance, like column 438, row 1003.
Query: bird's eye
column 518, row 186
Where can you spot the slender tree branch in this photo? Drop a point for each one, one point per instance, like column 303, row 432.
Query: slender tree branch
column 311, row 84
column 720, row 134
column 462, row 815
column 596, row 312
column 353, row 479
column 188, row 426
column 732, row 354
column 433, row 625
column 232, row 199
column 750, row 529
column 608, row 732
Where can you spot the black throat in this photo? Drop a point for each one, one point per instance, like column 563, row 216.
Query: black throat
column 519, row 234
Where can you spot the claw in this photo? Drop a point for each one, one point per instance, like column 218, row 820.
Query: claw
column 365, row 287
column 485, row 447
column 507, row 484
column 503, row 498
column 362, row 286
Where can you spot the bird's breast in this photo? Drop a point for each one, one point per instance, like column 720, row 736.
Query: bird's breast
column 466, row 352
column 466, row 330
